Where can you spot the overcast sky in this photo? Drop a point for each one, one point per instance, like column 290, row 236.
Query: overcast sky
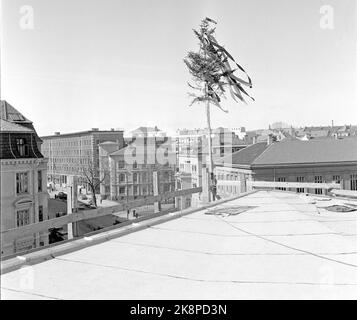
column 119, row 63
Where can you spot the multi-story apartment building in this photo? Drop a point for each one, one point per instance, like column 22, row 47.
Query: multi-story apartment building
column 131, row 168
column 224, row 141
column 71, row 153
column 24, row 197
column 315, row 161
column 192, row 152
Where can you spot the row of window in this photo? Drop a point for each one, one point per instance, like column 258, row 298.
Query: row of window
column 61, row 155
column 231, row 176
column 145, row 177
column 319, row 179
column 230, row 189
column 64, row 169
column 144, row 189
column 122, row 164
column 70, row 142
column 76, row 160
column 187, row 167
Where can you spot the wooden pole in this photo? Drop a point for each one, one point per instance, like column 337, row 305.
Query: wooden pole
column 157, row 205
column 209, row 129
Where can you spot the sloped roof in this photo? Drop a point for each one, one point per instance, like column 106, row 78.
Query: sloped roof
column 146, row 129
column 9, row 113
column 245, row 156
column 306, row 152
column 122, row 151
column 7, row 126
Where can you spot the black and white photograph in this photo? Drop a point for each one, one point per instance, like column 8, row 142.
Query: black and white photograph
column 182, row 150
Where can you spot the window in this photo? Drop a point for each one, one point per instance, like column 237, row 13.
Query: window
column 300, row 179
column 39, row 180
column 188, row 202
column 23, row 218
column 135, row 177
column 40, row 213
column 353, row 181
column 135, row 189
column 281, row 179
column 318, row 179
column 336, row 178
column 22, row 147
column 121, row 190
column 121, row 164
column 122, row 177
column 21, row 182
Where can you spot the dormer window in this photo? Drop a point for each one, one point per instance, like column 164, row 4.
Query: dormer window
column 22, row 147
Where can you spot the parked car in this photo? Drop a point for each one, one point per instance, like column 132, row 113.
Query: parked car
column 84, row 206
column 61, row 195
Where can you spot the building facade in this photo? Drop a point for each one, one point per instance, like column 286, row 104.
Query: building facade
column 24, row 197
column 69, row 154
column 131, row 168
column 315, row 161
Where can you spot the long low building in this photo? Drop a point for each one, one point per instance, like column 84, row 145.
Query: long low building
column 315, row 161
column 266, row 245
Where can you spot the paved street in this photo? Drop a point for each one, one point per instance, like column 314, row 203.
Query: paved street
column 268, row 245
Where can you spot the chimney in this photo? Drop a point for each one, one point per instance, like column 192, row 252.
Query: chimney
column 57, row 133
column 112, row 129
column 254, row 139
column 270, row 139
column 332, row 123
column 95, row 129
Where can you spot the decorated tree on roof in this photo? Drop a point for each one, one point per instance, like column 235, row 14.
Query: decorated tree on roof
column 214, row 71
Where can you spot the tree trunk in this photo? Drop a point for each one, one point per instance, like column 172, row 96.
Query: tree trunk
column 94, row 197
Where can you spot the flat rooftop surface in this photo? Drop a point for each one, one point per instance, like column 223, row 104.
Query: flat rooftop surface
column 267, row 245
